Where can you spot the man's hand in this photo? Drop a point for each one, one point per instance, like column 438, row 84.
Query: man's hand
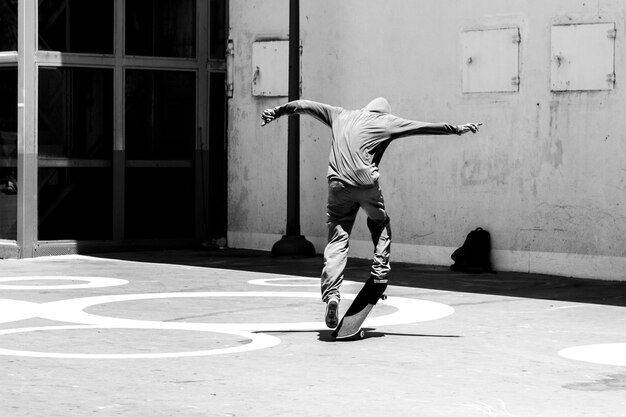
column 267, row 116
column 469, row 127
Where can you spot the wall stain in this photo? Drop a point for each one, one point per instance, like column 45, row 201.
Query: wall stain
column 476, row 170
column 553, row 150
column 584, row 229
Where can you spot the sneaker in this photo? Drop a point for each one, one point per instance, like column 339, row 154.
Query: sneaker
column 332, row 313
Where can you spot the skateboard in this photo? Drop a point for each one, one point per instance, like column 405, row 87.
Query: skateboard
column 366, row 299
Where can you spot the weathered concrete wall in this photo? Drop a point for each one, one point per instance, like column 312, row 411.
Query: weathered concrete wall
column 257, row 157
column 545, row 175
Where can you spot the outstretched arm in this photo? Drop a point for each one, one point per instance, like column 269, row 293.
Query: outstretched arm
column 399, row 128
column 320, row 111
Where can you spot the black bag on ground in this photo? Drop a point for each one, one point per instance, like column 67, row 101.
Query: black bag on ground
column 475, row 254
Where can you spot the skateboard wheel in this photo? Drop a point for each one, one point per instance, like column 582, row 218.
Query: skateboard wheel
column 383, row 297
column 361, row 334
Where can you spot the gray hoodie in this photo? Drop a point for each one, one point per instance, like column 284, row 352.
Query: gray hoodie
column 360, row 137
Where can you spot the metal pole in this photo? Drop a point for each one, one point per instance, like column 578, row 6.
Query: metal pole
column 293, row 243
column 293, row 129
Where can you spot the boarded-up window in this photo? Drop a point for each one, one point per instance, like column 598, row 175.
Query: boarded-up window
column 583, row 57
column 490, row 60
column 270, row 68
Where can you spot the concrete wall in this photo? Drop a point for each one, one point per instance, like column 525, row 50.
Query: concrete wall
column 546, row 174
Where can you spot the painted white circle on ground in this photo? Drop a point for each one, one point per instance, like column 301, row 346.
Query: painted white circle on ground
column 257, row 341
column 605, row 354
column 15, row 310
column 283, row 282
column 408, row 311
column 90, row 282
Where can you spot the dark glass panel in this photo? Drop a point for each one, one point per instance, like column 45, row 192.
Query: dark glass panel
column 75, row 143
column 8, row 153
column 165, row 28
column 75, row 203
column 159, row 203
column 218, row 29
column 80, row 26
column 8, row 25
column 76, row 113
column 160, row 126
column 160, row 114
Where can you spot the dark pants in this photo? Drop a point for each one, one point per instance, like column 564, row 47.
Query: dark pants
column 344, row 202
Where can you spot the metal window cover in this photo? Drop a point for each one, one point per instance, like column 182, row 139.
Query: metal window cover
column 582, row 57
column 270, row 68
column 490, row 60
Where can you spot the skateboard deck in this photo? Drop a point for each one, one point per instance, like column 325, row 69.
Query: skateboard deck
column 366, row 299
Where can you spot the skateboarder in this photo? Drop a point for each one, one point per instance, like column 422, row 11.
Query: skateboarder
column 359, row 139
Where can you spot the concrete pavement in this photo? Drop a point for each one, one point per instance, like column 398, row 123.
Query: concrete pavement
column 239, row 333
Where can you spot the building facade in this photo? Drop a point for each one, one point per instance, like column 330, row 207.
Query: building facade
column 545, row 175
column 114, row 132
column 112, row 124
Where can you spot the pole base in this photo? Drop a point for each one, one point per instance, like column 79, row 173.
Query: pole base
column 293, row 246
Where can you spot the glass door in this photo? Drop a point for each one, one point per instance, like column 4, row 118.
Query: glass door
column 75, row 144
column 8, row 153
column 160, row 118
column 8, row 120
column 115, row 138
column 160, row 135
column 75, row 119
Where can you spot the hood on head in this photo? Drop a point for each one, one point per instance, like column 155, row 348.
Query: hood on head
column 379, row 105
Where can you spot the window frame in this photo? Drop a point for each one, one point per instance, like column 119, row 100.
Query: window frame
column 29, row 60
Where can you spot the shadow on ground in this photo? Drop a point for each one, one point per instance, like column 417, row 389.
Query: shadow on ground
column 514, row 284
column 326, row 335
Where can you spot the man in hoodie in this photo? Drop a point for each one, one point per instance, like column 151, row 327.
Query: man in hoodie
column 359, row 139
